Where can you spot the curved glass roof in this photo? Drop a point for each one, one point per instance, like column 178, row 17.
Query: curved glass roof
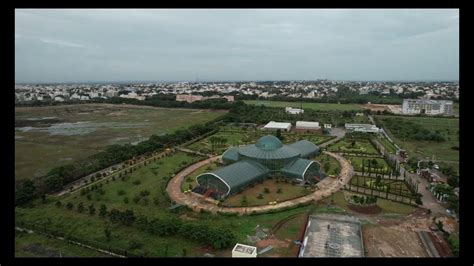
column 268, row 143
column 285, row 152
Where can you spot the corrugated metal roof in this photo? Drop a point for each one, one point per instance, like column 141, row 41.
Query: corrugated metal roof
column 306, row 148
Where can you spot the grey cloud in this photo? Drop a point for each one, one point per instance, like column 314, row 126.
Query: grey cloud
column 262, row 44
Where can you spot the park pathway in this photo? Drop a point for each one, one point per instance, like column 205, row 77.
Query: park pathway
column 327, row 187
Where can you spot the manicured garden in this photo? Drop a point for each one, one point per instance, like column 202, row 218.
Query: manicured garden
column 329, row 164
column 377, row 165
column 387, row 145
column 356, row 146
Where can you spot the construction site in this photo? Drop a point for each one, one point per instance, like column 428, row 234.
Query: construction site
column 329, row 235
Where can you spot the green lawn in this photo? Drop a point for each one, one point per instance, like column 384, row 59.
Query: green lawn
column 447, row 127
column 308, row 105
column 361, row 146
column 36, row 245
column 74, row 132
column 387, row 145
column 288, row 191
column 387, row 206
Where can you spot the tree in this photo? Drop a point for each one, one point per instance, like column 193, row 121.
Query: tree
column 58, row 204
column 102, row 210
column 91, row 209
column 266, row 190
column 80, row 207
column 69, row 206
column 107, row 232
column 25, row 193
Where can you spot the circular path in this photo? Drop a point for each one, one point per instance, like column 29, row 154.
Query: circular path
column 327, row 187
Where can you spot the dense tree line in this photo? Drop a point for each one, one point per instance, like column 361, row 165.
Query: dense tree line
column 217, row 237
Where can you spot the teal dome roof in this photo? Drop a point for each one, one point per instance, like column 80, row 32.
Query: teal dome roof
column 269, row 143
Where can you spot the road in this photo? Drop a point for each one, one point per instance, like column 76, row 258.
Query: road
column 327, row 187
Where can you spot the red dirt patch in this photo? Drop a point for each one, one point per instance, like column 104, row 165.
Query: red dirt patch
column 365, row 210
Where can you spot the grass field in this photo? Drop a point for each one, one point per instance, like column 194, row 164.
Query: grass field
column 387, row 145
column 288, row 191
column 357, row 164
column 387, row 206
column 307, row 105
column 361, row 146
column 447, row 127
column 46, row 137
column 36, row 245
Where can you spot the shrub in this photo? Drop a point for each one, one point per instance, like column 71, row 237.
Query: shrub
column 125, row 200
column 279, row 191
column 134, row 244
column 266, row 190
column 69, row 206
column 89, row 197
column 58, row 204
column 121, row 192
column 80, row 207
column 136, row 199
column 137, row 182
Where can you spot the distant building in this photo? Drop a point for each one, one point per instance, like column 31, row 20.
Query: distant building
column 193, row 98
column 327, row 125
column 307, row 126
column 294, row 111
column 244, row 251
column 429, row 107
column 272, row 125
column 365, row 128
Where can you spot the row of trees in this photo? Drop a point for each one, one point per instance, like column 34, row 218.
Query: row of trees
column 217, row 237
column 60, row 176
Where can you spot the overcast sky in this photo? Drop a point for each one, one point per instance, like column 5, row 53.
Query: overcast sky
column 231, row 44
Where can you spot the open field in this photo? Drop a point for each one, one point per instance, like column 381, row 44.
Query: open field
column 46, row 137
column 308, row 105
column 446, row 127
column 360, row 146
column 36, row 245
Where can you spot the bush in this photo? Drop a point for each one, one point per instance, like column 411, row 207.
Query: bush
column 134, row 244
column 136, row 199
column 121, row 192
column 125, row 200
column 260, row 196
column 58, row 204
column 69, row 206
column 266, row 190
column 279, row 191
column 137, row 182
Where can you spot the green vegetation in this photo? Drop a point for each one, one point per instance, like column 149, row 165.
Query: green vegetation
column 387, row 145
column 329, row 164
column 348, row 145
column 269, row 191
column 410, row 133
column 377, row 165
column 453, row 241
column 190, row 181
column 36, row 245
column 308, row 105
column 98, row 125
column 398, row 187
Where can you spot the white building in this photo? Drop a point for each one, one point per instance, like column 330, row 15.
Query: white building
column 307, row 125
column 429, row 107
column 244, row 251
column 272, row 125
column 294, row 111
column 327, row 125
column 365, row 128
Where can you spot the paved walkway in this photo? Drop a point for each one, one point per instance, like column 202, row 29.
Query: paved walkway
column 327, row 187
